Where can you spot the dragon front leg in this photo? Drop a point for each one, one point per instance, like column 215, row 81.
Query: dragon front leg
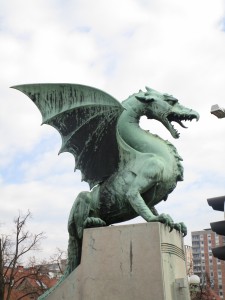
column 139, row 205
column 148, row 177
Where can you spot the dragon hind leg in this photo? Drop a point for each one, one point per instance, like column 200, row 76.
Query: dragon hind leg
column 79, row 213
column 79, row 219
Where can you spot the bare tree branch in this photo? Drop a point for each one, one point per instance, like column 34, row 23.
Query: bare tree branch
column 58, row 257
column 2, row 287
column 15, row 247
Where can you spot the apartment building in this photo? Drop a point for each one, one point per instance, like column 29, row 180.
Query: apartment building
column 210, row 269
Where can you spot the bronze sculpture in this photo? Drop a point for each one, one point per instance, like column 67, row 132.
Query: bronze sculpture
column 129, row 170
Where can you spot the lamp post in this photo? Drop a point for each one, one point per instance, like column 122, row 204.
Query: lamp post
column 218, row 203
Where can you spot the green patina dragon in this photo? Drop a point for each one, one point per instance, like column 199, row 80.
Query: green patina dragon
column 129, row 170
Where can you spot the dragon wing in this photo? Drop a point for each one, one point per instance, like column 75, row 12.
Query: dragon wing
column 86, row 120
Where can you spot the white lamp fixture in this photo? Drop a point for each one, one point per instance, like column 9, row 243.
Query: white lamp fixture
column 194, row 280
column 219, row 112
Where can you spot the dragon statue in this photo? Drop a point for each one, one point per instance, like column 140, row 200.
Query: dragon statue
column 129, row 170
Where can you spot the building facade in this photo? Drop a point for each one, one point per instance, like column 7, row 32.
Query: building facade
column 25, row 283
column 189, row 260
column 210, row 269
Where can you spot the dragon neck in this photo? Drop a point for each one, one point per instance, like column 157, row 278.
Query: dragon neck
column 129, row 129
column 144, row 141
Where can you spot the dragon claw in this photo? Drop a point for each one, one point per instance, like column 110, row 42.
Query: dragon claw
column 168, row 221
column 165, row 219
column 171, row 227
column 93, row 222
column 181, row 227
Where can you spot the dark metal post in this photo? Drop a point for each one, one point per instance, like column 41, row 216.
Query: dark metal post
column 218, row 203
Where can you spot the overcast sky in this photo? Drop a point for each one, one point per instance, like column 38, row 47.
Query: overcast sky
column 176, row 47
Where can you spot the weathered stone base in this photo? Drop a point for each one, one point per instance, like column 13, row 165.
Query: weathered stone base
column 129, row 262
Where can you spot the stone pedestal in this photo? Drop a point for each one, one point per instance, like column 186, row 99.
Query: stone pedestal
column 129, row 262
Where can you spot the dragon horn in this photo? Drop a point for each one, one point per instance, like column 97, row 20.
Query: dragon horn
column 145, row 98
column 148, row 89
column 141, row 98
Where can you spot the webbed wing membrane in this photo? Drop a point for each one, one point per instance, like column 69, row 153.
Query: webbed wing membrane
column 86, row 119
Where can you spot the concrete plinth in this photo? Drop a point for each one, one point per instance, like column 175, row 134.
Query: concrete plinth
column 129, row 262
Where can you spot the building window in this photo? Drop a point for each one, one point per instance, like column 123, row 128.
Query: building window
column 217, row 240
column 195, row 243
column 41, row 284
column 196, row 256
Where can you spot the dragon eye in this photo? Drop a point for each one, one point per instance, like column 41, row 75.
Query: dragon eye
column 171, row 102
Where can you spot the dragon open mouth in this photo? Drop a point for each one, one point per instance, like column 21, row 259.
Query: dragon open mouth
column 178, row 118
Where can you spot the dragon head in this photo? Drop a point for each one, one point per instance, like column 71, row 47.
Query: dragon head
column 166, row 109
